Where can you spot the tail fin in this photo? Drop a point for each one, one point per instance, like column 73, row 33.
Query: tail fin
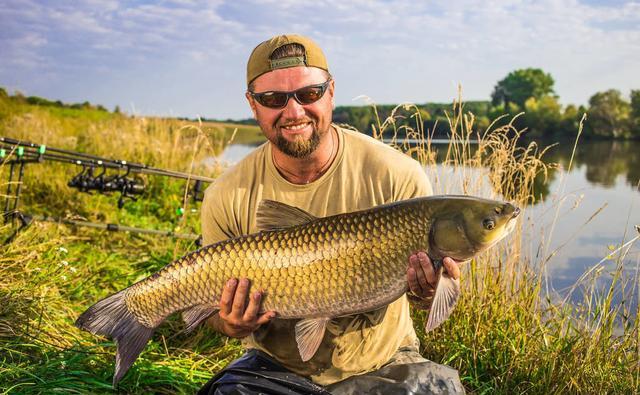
column 110, row 317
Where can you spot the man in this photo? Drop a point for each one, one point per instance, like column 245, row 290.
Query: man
column 310, row 163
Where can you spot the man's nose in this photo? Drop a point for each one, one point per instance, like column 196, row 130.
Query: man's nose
column 293, row 109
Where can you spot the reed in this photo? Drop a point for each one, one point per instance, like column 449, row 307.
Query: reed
column 509, row 334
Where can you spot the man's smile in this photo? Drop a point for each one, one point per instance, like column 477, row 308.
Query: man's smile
column 296, row 128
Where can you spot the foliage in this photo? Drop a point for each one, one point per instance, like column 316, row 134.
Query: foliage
column 526, row 90
column 542, row 115
column 635, row 113
column 520, row 85
column 609, row 115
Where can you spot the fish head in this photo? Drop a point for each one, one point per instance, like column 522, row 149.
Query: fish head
column 470, row 227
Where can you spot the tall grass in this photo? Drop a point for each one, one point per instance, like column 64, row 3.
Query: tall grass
column 507, row 334
column 510, row 333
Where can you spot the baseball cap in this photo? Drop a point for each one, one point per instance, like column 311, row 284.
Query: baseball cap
column 259, row 62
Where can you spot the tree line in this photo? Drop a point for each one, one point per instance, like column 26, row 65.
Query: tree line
column 40, row 101
column 610, row 115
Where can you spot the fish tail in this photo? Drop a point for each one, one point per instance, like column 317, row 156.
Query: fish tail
column 111, row 317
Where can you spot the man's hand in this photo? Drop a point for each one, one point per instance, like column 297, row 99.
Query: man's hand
column 422, row 277
column 234, row 319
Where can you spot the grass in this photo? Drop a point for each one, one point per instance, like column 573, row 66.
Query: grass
column 507, row 335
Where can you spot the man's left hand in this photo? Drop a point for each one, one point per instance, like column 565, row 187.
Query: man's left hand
column 422, row 277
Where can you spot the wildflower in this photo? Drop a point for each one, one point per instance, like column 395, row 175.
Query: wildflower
column 65, row 263
column 73, row 269
column 63, row 277
column 63, row 250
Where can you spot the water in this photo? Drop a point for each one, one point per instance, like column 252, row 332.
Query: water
column 584, row 213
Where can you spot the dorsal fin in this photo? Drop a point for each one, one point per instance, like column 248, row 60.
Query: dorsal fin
column 275, row 215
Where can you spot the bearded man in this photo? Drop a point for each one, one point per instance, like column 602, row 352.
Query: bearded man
column 310, row 163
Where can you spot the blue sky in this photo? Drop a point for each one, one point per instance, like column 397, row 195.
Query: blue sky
column 188, row 58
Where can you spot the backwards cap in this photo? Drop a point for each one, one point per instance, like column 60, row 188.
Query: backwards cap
column 259, row 62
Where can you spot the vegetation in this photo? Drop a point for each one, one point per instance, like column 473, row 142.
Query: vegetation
column 521, row 85
column 507, row 335
column 530, row 91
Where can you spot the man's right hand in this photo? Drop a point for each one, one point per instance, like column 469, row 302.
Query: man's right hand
column 236, row 320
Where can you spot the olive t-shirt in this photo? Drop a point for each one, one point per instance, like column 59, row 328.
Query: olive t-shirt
column 365, row 173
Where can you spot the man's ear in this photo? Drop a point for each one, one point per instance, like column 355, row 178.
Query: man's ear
column 252, row 104
column 331, row 91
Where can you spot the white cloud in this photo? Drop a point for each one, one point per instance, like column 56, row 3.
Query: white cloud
column 391, row 50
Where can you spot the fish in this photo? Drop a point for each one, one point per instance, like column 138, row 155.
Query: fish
column 309, row 268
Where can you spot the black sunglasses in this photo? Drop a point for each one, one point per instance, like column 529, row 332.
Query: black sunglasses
column 306, row 95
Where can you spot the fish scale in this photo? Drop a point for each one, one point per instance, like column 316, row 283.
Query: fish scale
column 308, row 268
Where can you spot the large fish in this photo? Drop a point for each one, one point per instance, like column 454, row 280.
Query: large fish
column 310, row 268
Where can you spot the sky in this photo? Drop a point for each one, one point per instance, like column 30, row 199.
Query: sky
column 188, row 58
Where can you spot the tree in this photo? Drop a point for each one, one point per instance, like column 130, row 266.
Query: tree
column 635, row 112
column 542, row 115
column 570, row 123
column 609, row 115
column 520, row 85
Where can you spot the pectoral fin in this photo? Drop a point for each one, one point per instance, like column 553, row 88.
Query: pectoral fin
column 309, row 334
column 444, row 301
column 195, row 315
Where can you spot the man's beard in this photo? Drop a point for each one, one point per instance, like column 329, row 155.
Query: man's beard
column 299, row 148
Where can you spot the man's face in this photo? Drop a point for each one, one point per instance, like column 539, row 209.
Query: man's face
column 296, row 129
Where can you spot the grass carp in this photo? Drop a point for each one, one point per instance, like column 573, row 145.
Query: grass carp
column 309, row 268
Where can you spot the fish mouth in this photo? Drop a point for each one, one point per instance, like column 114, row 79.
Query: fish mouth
column 516, row 212
column 512, row 221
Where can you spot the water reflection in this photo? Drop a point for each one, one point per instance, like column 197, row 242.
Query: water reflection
column 604, row 161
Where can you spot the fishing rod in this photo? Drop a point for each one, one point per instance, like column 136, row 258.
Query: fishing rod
column 38, row 152
column 98, row 174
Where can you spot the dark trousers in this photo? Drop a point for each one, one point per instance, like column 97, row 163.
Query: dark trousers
column 407, row 373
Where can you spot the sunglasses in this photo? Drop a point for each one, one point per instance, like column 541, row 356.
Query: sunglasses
column 306, row 95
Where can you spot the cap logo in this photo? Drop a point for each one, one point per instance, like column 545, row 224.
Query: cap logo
column 292, row 61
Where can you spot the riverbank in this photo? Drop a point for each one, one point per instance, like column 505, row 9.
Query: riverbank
column 507, row 335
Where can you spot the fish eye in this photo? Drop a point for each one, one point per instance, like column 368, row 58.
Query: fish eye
column 498, row 210
column 488, row 224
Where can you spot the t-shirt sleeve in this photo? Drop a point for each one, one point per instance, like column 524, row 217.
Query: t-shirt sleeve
column 214, row 217
column 414, row 183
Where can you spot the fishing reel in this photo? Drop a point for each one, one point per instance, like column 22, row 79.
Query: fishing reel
column 195, row 192
column 83, row 181
column 129, row 188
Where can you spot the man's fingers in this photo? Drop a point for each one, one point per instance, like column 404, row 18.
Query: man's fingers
column 266, row 317
column 421, row 277
column 413, row 281
column 227, row 297
column 252, row 309
column 430, row 279
column 240, row 299
column 452, row 267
